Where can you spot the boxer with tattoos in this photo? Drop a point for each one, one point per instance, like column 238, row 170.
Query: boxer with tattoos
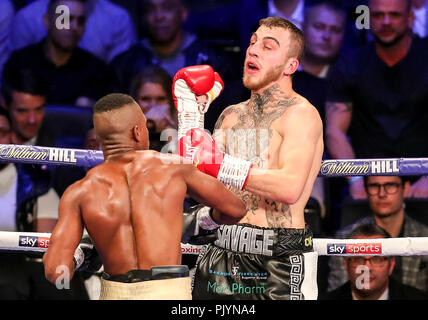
column 268, row 150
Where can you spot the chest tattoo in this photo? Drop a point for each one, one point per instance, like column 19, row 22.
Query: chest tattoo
column 249, row 139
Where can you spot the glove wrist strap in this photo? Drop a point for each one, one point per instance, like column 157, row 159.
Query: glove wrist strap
column 234, row 171
column 78, row 258
column 189, row 120
column 205, row 221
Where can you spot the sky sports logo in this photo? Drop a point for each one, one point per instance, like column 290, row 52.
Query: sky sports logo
column 34, row 242
column 354, row 248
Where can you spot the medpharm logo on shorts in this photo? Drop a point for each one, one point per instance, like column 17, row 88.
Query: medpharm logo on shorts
column 235, row 288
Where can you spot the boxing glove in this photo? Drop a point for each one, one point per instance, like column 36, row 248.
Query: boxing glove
column 193, row 90
column 201, row 148
column 86, row 257
column 198, row 226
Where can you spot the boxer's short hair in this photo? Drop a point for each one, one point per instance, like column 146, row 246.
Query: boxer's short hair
column 368, row 230
column 297, row 47
column 112, row 101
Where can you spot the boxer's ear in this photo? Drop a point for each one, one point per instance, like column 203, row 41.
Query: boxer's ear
column 136, row 133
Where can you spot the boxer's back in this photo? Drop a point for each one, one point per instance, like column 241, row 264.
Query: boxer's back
column 132, row 213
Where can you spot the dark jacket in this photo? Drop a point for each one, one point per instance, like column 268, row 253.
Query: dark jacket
column 128, row 64
column 33, row 181
column 397, row 291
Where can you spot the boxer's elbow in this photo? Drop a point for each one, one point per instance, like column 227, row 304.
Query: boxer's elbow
column 50, row 270
column 56, row 271
column 286, row 196
column 283, row 194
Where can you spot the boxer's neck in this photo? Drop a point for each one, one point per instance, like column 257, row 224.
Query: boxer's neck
column 270, row 98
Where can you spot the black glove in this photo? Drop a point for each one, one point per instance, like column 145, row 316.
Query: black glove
column 86, row 257
column 193, row 233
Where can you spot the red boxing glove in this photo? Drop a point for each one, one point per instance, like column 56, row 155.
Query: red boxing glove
column 193, row 90
column 201, row 148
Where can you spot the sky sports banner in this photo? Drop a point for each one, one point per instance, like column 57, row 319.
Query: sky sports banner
column 39, row 242
column 385, row 247
column 24, row 241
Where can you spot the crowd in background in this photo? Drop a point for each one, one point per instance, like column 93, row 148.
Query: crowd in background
column 369, row 83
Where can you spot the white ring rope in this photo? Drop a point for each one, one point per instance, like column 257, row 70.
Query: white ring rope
column 409, row 246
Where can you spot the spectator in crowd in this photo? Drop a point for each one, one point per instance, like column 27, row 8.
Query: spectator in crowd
column 377, row 97
column 324, row 29
column 224, row 20
column 92, row 142
column 24, row 96
column 420, row 12
column 370, row 276
column 75, row 76
column 151, row 88
column 6, row 16
column 28, row 204
column 109, row 28
column 171, row 47
column 167, row 44
column 386, row 200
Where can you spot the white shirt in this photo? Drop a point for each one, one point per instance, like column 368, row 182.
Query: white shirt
column 296, row 17
column 109, row 29
column 47, row 204
column 419, row 25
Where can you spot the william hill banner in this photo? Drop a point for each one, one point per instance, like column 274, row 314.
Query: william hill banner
column 381, row 167
column 48, row 155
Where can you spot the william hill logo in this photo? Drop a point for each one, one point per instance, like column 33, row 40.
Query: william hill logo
column 33, row 153
column 385, row 166
column 349, row 168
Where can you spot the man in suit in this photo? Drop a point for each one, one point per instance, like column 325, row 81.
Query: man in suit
column 369, row 276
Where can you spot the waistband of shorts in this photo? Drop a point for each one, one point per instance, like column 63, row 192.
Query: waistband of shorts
column 276, row 242
column 155, row 273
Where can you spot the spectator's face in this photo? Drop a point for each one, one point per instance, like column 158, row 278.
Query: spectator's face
column 92, row 142
column 151, row 95
column 67, row 38
column 4, row 130
column 324, row 30
column 266, row 57
column 27, row 112
column 369, row 275
column 390, row 198
column 390, row 20
column 164, row 19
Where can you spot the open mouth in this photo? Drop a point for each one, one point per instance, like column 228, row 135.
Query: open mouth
column 252, row 67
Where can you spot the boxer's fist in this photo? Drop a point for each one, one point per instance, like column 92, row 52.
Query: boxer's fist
column 198, row 146
column 193, row 90
column 86, row 257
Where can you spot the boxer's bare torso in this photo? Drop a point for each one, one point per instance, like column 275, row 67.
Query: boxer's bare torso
column 132, row 213
column 256, row 130
column 131, row 206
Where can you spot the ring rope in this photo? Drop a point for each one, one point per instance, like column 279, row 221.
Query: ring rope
column 407, row 246
column 329, row 168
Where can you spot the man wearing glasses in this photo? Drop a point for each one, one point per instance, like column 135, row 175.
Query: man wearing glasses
column 386, row 196
column 370, row 276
